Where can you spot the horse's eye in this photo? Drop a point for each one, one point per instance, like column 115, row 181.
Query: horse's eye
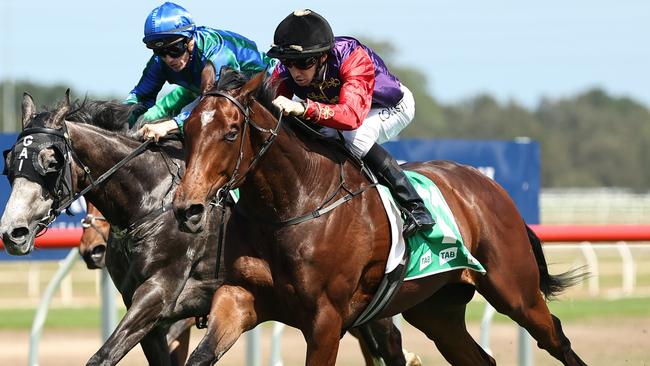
column 51, row 161
column 231, row 136
column 53, row 166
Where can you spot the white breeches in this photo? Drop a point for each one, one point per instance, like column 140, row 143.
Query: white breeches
column 381, row 125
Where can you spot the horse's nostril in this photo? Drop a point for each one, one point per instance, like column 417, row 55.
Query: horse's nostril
column 194, row 210
column 19, row 232
column 99, row 250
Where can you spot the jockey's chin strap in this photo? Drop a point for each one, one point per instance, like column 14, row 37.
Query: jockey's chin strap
column 236, row 177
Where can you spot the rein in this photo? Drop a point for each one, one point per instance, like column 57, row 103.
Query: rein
column 64, row 177
column 96, row 182
column 273, row 133
column 234, row 179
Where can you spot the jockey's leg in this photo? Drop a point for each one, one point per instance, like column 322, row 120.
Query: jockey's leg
column 390, row 174
column 381, row 125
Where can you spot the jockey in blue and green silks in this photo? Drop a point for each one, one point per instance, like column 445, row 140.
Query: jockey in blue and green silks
column 181, row 52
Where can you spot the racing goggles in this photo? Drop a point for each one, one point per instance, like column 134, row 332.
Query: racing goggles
column 174, row 50
column 300, row 63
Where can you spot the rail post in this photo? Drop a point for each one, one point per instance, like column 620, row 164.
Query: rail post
column 44, row 305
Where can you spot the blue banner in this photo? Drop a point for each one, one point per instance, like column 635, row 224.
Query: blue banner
column 515, row 165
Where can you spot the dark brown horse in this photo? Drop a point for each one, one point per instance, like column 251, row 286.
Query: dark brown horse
column 319, row 275
column 163, row 274
column 92, row 248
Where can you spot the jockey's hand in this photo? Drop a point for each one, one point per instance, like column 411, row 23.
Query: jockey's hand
column 289, row 106
column 157, row 130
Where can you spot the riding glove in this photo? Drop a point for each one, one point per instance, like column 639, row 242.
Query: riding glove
column 289, row 106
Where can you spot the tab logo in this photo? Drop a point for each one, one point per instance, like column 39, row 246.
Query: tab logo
column 425, row 260
column 447, row 255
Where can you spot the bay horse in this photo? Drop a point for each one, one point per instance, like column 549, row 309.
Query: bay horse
column 92, row 245
column 164, row 275
column 318, row 275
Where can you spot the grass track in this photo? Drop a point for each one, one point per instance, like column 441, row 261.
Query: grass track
column 566, row 310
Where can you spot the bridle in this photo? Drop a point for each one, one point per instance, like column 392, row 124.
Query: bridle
column 90, row 222
column 222, row 193
column 62, row 190
column 235, row 177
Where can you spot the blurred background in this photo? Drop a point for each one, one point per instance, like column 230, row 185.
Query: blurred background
column 572, row 76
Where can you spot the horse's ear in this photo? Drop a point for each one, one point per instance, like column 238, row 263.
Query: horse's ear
column 208, row 76
column 253, row 85
column 59, row 115
column 29, row 109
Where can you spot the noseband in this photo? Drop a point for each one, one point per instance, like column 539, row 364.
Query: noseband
column 90, row 222
column 235, row 178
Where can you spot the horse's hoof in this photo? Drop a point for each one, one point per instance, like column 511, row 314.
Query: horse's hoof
column 412, row 359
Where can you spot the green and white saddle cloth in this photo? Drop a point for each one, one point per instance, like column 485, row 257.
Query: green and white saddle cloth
column 440, row 249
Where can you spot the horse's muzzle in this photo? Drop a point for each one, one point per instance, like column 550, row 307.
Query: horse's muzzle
column 17, row 240
column 191, row 217
column 95, row 257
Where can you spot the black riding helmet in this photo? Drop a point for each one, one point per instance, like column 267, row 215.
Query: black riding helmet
column 302, row 34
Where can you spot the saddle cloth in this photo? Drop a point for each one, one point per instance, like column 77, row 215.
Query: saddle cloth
column 437, row 250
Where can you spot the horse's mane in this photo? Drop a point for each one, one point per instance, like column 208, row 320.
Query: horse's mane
column 231, row 79
column 109, row 115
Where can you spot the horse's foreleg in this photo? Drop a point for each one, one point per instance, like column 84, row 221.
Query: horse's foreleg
column 154, row 346
column 323, row 337
column 380, row 339
column 232, row 313
column 138, row 321
column 178, row 340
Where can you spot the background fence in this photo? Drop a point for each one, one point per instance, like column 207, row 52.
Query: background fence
column 619, row 269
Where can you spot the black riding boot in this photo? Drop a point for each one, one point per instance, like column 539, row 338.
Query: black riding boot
column 390, row 174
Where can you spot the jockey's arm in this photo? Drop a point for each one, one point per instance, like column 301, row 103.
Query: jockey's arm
column 170, row 105
column 147, row 89
column 158, row 130
column 281, row 88
column 355, row 98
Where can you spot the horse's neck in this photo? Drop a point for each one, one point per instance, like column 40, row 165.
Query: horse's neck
column 294, row 177
column 128, row 193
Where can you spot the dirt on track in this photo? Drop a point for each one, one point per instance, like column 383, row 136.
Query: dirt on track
column 603, row 342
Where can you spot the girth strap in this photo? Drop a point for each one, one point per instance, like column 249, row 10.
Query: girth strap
column 386, row 291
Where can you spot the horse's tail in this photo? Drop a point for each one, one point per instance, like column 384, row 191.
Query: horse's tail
column 552, row 285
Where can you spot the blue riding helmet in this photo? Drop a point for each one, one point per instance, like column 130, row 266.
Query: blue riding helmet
column 168, row 21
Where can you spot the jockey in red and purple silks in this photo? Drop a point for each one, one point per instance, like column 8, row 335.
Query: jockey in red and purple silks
column 341, row 84
column 352, row 71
